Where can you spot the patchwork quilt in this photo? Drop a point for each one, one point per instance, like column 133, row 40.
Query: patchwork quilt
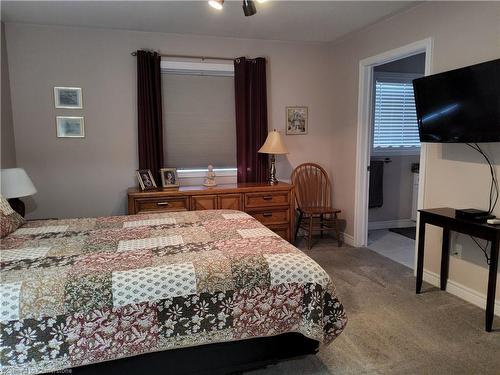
column 81, row 291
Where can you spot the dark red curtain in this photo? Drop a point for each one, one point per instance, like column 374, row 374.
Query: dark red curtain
column 149, row 110
column 251, row 118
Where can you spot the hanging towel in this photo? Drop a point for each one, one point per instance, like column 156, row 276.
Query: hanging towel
column 376, row 195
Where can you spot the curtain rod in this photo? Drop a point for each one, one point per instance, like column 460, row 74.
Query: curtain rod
column 192, row 57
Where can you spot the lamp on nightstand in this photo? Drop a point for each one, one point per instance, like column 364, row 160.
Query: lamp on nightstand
column 16, row 184
column 273, row 145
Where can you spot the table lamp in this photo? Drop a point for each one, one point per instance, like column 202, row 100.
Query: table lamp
column 273, row 145
column 15, row 184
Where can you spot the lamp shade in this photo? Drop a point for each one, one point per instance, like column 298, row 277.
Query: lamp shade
column 15, row 183
column 274, row 144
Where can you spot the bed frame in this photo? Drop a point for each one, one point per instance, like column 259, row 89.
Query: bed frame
column 221, row 358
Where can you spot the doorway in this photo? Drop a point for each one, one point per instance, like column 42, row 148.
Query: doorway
column 390, row 160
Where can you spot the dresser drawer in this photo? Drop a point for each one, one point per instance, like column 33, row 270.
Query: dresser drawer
column 272, row 216
column 281, row 230
column 271, row 199
column 164, row 204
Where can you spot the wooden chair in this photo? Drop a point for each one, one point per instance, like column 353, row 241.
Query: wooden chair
column 313, row 192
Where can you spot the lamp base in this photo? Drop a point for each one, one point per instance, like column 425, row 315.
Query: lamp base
column 272, row 181
column 17, row 205
column 272, row 171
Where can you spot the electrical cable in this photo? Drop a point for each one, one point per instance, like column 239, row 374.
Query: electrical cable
column 493, row 196
column 484, row 249
column 494, row 189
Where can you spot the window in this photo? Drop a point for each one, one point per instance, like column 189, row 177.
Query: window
column 198, row 115
column 395, row 127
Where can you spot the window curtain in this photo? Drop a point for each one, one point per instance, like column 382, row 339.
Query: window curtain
column 251, row 118
column 149, row 110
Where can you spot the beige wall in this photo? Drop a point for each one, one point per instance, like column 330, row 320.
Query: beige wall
column 464, row 33
column 8, row 151
column 89, row 177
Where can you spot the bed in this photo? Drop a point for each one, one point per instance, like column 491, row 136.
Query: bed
column 78, row 293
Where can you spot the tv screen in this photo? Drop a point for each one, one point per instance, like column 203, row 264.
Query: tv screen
column 460, row 106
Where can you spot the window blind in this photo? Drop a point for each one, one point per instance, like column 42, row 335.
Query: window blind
column 395, row 117
column 198, row 121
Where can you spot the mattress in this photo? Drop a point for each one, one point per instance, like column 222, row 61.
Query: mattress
column 82, row 291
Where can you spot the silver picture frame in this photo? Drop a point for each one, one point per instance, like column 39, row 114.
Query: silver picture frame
column 68, row 97
column 146, row 180
column 70, row 127
column 169, row 178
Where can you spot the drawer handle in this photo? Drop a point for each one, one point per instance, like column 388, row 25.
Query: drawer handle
column 268, row 198
column 267, row 214
column 162, row 204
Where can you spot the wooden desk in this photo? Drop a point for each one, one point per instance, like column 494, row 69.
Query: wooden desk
column 272, row 205
column 445, row 218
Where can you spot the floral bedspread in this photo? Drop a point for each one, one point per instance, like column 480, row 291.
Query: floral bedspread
column 81, row 291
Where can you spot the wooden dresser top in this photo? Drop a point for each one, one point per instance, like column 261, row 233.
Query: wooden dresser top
column 246, row 187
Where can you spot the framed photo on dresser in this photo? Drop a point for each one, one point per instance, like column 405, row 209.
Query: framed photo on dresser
column 146, row 180
column 169, row 178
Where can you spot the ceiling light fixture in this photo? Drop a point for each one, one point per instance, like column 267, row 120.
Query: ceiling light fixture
column 217, row 4
column 249, row 8
column 261, row 1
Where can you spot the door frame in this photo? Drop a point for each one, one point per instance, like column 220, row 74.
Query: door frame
column 363, row 141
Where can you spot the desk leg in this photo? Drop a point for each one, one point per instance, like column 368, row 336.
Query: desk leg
column 492, row 284
column 445, row 258
column 420, row 254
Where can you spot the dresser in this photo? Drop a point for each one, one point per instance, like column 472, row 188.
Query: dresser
column 272, row 205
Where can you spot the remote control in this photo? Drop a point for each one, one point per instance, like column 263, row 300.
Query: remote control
column 493, row 221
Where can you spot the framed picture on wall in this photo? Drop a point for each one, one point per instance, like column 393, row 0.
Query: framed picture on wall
column 70, row 127
column 146, row 180
column 296, row 120
column 169, row 177
column 68, row 97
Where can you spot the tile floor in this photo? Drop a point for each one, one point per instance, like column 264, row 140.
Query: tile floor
column 394, row 246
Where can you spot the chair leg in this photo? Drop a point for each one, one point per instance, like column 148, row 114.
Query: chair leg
column 309, row 242
column 337, row 232
column 321, row 223
column 298, row 225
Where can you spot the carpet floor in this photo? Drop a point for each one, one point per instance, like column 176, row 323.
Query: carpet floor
column 392, row 330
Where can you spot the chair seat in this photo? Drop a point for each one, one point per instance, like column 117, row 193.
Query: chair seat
column 319, row 210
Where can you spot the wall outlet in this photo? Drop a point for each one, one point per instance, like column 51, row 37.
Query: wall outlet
column 457, row 251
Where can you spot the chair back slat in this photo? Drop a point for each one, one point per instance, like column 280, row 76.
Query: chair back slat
column 312, row 186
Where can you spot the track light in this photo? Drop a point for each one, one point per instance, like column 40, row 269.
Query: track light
column 249, row 8
column 217, row 4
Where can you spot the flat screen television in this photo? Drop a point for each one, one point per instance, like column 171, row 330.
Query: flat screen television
column 460, row 106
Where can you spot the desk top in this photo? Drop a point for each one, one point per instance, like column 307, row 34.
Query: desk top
column 449, row 213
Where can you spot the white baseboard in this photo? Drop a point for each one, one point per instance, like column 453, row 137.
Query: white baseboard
column 348, row 239
column 401, row 223
column 461, row 291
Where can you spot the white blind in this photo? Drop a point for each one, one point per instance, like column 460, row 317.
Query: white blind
column 199, row 121
column 395, row 117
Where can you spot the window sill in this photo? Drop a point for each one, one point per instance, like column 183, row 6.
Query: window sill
column 202, row 172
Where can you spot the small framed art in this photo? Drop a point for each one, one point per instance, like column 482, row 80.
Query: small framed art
column 169, row 178
column 146, row 180
column 68, row 97
column 70, row 127
column 296, row 120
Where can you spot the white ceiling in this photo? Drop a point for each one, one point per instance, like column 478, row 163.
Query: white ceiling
column 310, row 21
